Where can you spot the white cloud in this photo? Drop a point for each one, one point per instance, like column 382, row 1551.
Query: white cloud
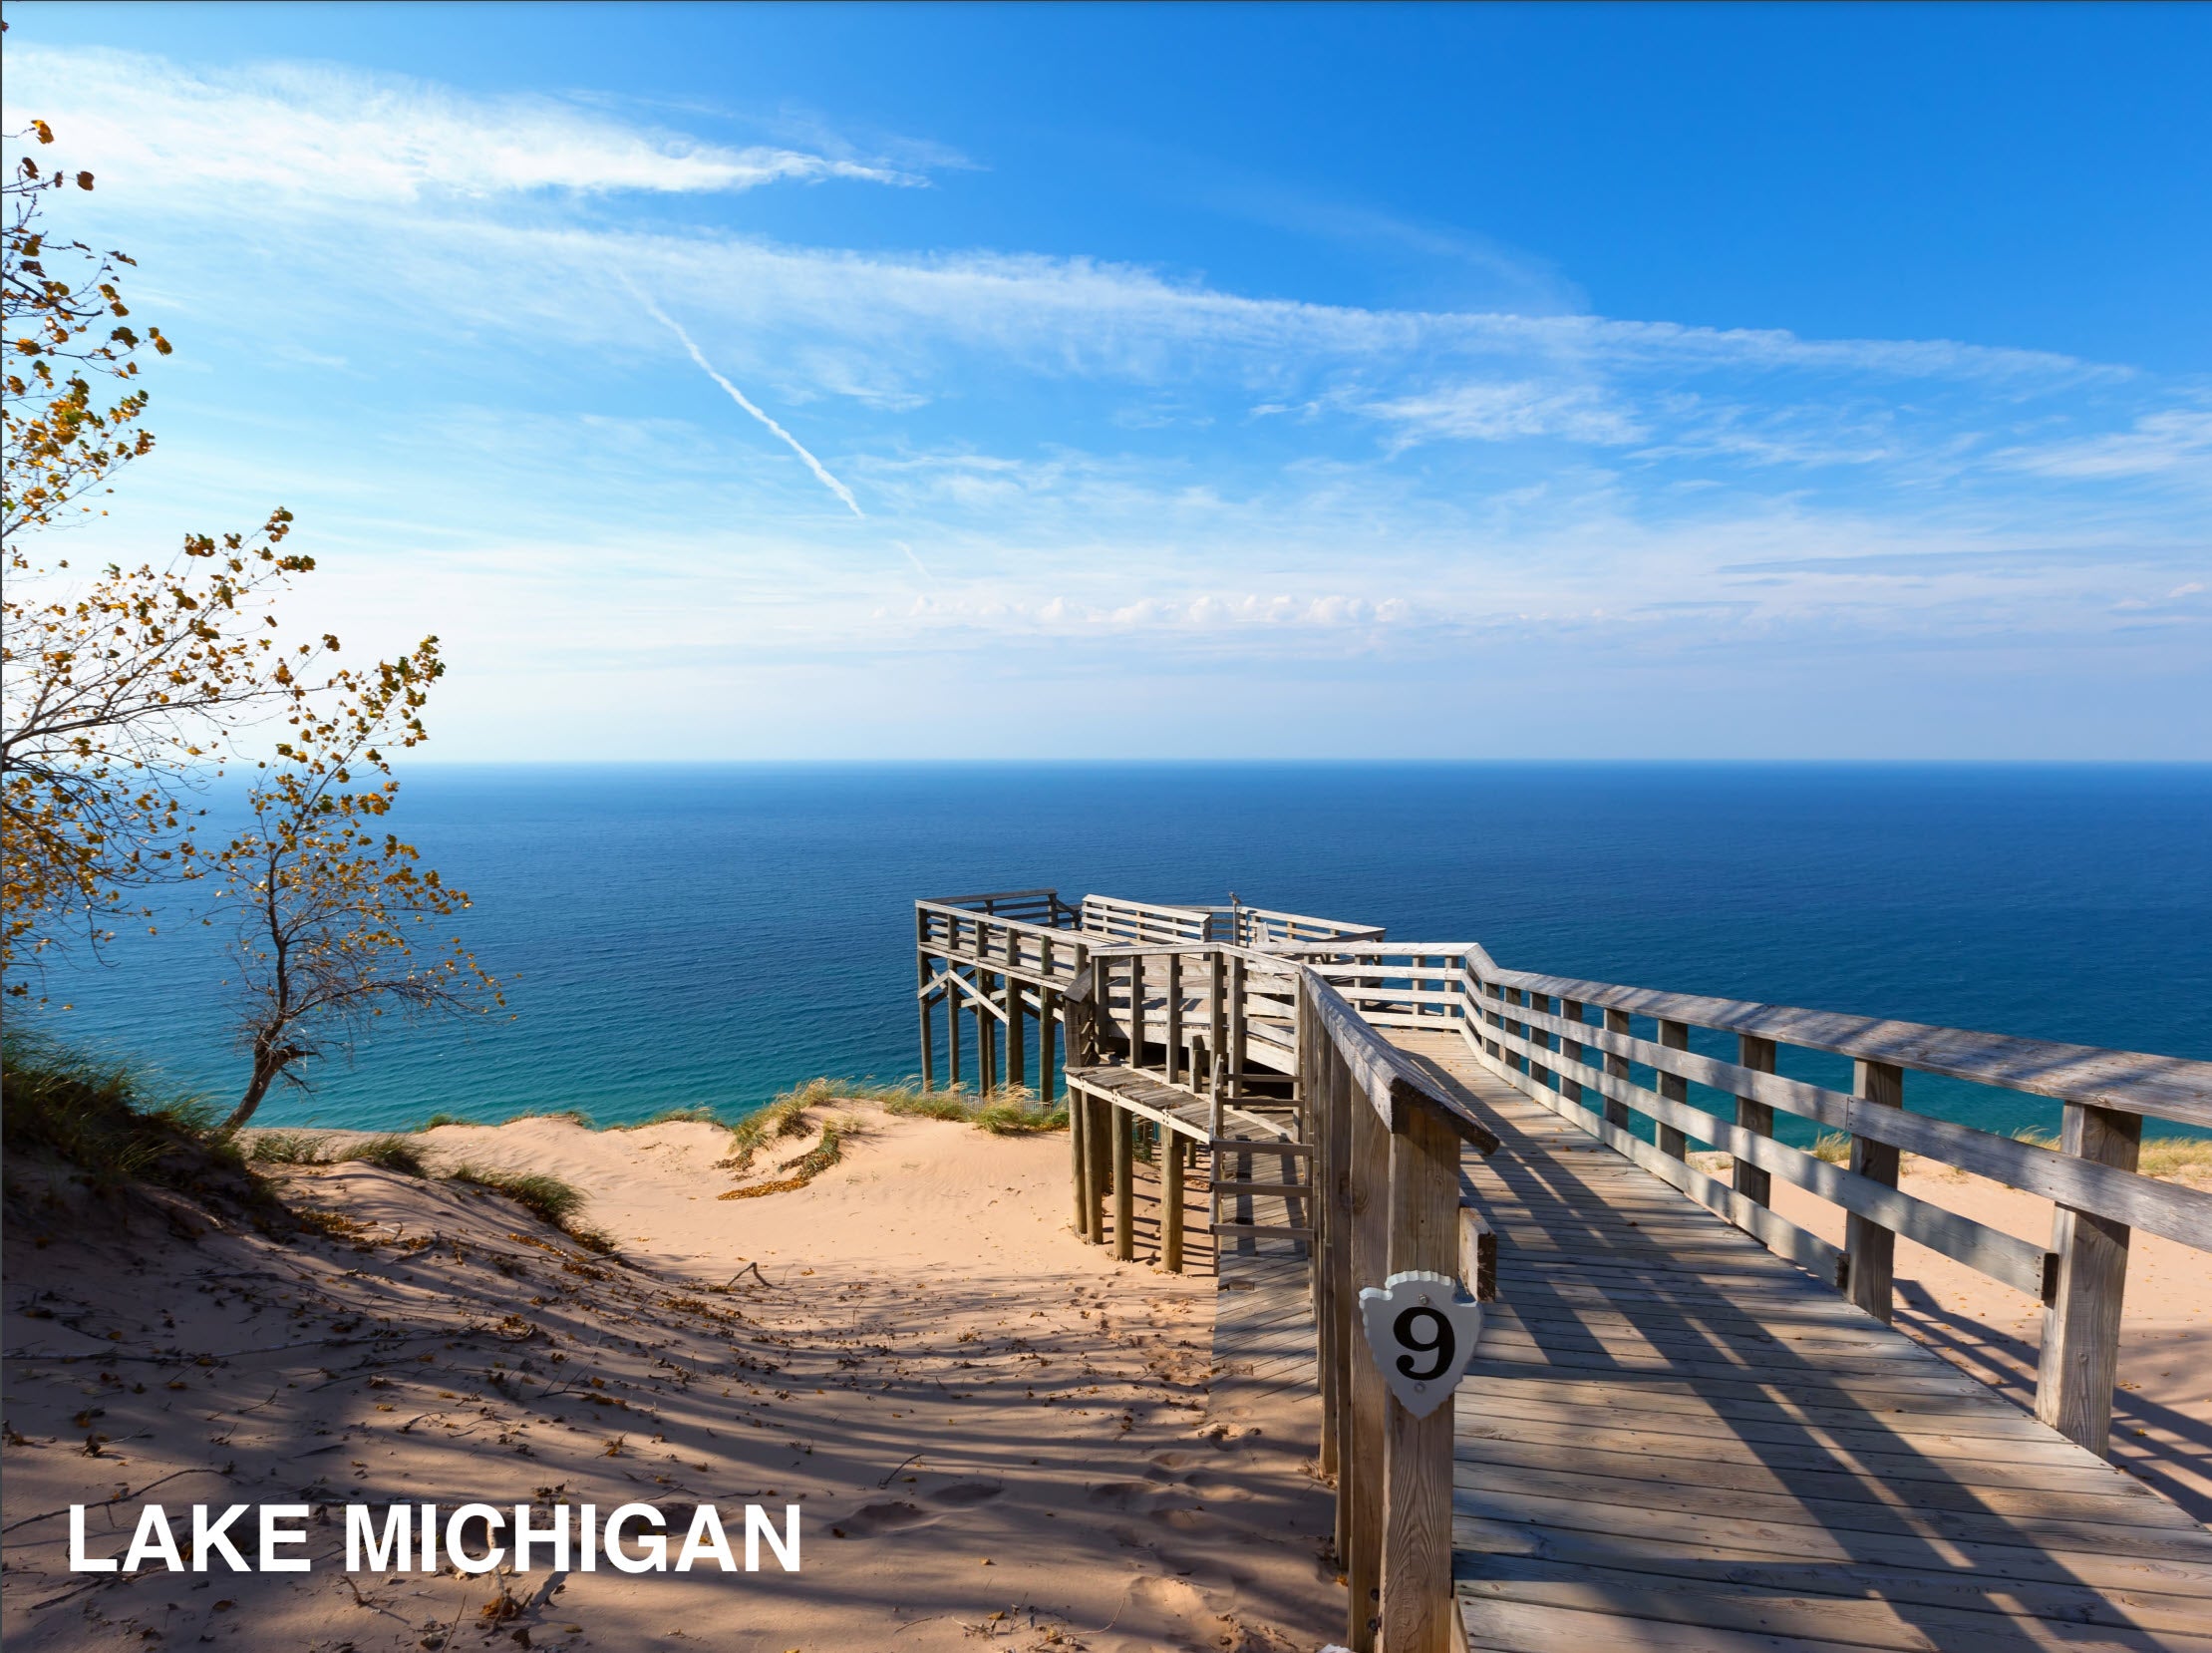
column 296, row 131
column 2179, row 440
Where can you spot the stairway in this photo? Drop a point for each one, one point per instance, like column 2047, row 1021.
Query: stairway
column 1233, row 1135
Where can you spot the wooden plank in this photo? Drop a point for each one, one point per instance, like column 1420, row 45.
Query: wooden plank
column 1390, row 1083
column 1736, row 1625
column 1361, row 1551
column 1171, row 1204
column 2011, row 1543
column 1709, row 1558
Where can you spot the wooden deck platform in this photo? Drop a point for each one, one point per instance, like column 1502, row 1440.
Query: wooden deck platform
column 1674, row 1440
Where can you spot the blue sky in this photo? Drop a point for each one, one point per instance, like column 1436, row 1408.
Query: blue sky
column 771, row 383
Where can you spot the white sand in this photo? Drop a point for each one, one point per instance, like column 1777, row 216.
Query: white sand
column 998, row 1419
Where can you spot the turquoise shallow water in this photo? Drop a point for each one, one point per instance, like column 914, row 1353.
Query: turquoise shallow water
column 710, row 935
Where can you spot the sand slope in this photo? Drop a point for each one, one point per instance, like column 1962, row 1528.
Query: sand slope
column 995, row 1431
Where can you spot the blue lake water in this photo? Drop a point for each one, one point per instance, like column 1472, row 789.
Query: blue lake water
column 710, row 935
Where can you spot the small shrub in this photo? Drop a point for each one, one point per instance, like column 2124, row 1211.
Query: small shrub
column 437, row 1119
column 1833, row 1146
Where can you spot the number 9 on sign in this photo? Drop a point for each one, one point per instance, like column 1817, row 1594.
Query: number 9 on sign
column 1422, row 1329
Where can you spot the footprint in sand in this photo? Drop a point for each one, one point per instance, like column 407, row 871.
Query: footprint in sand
column 876, row 1520
column 961, row 1494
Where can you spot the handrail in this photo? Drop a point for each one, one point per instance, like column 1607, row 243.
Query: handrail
column 2137, row 1082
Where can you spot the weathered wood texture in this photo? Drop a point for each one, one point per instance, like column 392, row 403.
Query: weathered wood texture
column 1671, row 1438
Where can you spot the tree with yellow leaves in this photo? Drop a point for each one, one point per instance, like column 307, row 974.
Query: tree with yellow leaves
column 124, row 694
column 117, row 693
column 324, row 902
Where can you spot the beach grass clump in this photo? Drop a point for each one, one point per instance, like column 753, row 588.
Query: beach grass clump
column 697, row 1113
column 552, row 1199
column 290, row 1147
column 391, row 1152
column 2176, row 1156
column 100, row 1119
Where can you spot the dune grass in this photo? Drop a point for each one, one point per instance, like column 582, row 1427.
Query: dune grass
column 102, row 1121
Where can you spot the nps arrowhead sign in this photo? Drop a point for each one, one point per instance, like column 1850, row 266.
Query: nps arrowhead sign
column 1422, row 1331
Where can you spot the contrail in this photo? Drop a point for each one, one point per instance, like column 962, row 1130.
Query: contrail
column 739, row 397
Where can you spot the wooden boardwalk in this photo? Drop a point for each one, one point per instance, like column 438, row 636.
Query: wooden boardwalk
column 1689, row 1422
column 1671, row 1438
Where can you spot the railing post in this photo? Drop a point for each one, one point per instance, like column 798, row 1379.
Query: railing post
column 1361, row 1548
column 1136, row 1010
column 1570, row 1010
column 1017, row 1058
column 1047, row 1025
column 1756, row 1054
column 1217, row 1020
column 1872, row 1248
column 1236, row 1027
column 2081, row 1323
column 1616, row 1067
column 1537, row 1072
column 1671, row 1141
column 921, row 998
column 1417, row 1454
column 987, row 1031
column 1175, row 1016
column 1520, row 1030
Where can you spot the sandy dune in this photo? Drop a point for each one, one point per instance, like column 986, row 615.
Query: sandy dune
column 996, row 1433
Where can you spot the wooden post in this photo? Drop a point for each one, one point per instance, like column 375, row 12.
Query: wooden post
column 1124, row 1195
column 987, row 1041
column 1236, row 1027
column 1172, row 1203
column 952, row 1027
column 1046, row 1024
column 1017, row 1059
column 1175, row 1016
column 2081, row 1324
column 1872, row 1248
column 1675, row 1036
column 1570, row 1010
column 1361, row 1548
column 921, row 1001
column 1097, row 1156
column 1079, row 1174
column 1616, row 1067
column 1756, row 1054
column 1136, row 1011
column 1339, row 1325
column 1218, row 1017
column 1416, row 1453
column 1514, row 1058
column 1539, row 1074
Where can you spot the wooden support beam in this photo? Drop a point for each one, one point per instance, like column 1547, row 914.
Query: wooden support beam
column 1172, row 1203
column 1078, row 1170
column 1415, row 1573
column 1869, row 1248
column 952, row 1040
column 1752, row 1183
column 1238, row 1065
column 1017, row 1058
column 1099, row 1155
column 1675, row 1036
column 2081, row 1323
column 1125, row 1193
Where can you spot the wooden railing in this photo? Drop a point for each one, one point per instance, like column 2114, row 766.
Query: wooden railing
column 1387, row 1145
column 1617, row 1060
